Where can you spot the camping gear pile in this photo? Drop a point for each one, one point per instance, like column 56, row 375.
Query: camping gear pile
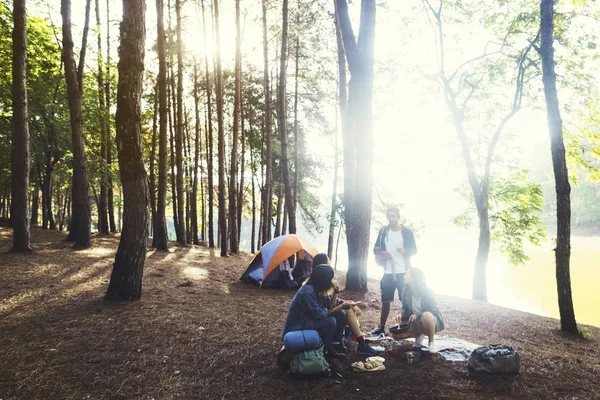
column 302, row 355
column 268, row 268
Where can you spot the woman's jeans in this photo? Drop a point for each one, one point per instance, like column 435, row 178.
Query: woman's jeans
column 331, row 328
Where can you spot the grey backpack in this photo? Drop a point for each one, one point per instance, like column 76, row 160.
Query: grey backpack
column 494, row 359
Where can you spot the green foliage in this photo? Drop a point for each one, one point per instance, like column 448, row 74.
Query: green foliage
column 515, row 206
column 585, row 332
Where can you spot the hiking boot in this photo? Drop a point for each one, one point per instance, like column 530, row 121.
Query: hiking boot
column 378, row 331
column 366, row 349
column 333, row 353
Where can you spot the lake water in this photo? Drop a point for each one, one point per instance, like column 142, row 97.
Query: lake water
column 447, row 257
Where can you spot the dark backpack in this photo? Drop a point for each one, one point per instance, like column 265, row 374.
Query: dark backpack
column 382, row 262
column 494, row 359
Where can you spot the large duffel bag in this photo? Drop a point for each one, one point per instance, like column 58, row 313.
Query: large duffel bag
column 494, row 359
column 298, row 341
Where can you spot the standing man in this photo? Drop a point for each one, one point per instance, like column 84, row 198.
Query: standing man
column 393, row 249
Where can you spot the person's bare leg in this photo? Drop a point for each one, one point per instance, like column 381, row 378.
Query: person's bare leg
column 428, row 321
column 352, row 322
column 385, row 312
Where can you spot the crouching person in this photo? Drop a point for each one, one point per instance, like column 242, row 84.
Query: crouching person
column 420, row 309
column 310, row 309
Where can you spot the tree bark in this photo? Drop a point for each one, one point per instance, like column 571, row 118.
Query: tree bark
column 561, row 175
column 187, row 189
column 278, row 211
column 109, row 182
column 253, row 232
column 209, row 140
column 35, row 204
column 126, row 278
column 80, row 231
column 233, row 207
column 267, row 202
column 241, row 171
column 181, row 237
column 221, row 137
column 358, row 139
column 296, row 95
column 103, row 225
column 195, row 236
column 282, row 116
column 152, row 178
column 19, row 207
column 160, row 240
column 333, row 212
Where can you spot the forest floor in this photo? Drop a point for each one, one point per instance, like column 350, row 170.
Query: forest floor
column 199, row 333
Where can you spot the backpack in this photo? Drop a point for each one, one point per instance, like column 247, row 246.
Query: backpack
column 310, row 363
column 494, row 359
column 382, row 262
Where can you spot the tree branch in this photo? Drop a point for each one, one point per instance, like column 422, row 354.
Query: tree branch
column 86, row 28
column 348, row 38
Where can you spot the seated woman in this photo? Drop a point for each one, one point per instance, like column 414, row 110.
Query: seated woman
column 420, row 308
column 351, row 317
column 311, row 310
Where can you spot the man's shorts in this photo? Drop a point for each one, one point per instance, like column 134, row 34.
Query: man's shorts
column 389, row 287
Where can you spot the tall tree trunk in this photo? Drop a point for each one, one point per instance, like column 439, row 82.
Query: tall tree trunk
column 109, row 181
column 483, row 251
column 242, row 167
column 172, row 145
column 19, row 210
column 296, row 166
column 160, row 240
column 358, row 139
column 126, row 278
column 66, row 201
column 278, row 211
column 35, row 204
column 282, row 116
column 561, row 176
column 152, row 178
column 48, row 190
column 194, row 204
column 209, row 140
column 267, row 202
column 81, row 216
column 102, row 115
column 253, row 232
column 44, row 202
column 221, row 137
column 333, row 211
column 233, row 211
column 181, row 237
column 187, row 189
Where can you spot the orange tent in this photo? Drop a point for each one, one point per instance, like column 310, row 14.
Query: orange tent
column 263, row 269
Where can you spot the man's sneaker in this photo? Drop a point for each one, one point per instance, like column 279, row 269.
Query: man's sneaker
column 378, row 331
column 433, row 347
column 366, row 349
column 333, row 353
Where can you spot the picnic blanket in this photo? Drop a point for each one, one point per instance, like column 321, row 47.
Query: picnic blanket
column 454, row 349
